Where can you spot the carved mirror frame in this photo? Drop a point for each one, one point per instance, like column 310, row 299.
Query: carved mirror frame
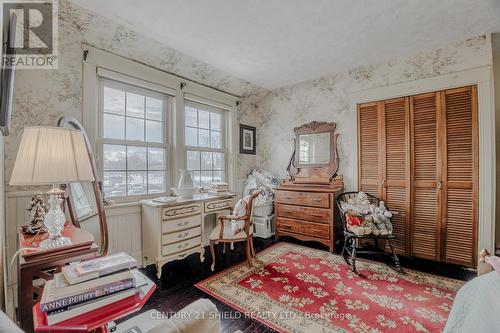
column 314, row 173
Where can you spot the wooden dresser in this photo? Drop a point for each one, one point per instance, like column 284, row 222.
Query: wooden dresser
column 174, row 230
column 307, row 212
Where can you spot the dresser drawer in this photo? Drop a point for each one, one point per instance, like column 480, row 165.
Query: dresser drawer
column 321, row 215
column 312, row 199
column 181, row 246
column 318, row 230
column 180, row 235
column 215, row 205
column 180, row 224
column 180, row 211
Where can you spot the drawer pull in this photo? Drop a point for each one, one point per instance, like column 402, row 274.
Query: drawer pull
column 184, row 235
column 183, row 246
column 181, row 224
column 286, row 226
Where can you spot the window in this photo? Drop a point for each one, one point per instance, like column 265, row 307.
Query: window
column 205, row 143
column 134, row 139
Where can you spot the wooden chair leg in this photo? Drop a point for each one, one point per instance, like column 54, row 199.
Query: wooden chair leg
column 251, row 247
column 224, row 247
column 212, row 251
column 249, row 253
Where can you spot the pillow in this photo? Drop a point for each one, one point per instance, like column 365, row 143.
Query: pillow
column 240, row 210
column 494, row 261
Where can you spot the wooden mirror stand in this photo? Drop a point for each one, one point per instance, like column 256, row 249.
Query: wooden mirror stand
column 70, row 122
column 315, row 158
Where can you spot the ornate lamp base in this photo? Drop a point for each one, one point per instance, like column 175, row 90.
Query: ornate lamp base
column 50, row 243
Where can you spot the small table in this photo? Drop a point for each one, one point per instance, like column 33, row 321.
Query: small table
column 42, row 264
column 95, row 320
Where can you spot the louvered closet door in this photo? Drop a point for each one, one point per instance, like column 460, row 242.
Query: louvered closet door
column 396, row 166
column 460, row 176
column 425, row 199
column 369, row 173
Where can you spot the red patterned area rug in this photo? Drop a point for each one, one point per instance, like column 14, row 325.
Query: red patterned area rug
column 292, row 288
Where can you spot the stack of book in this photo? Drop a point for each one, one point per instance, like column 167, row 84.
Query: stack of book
column 219, row 188
column 91, row 285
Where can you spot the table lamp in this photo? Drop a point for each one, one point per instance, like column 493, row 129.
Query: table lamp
column 52, row 155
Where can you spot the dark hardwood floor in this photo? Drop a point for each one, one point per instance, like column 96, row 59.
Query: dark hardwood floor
column 176, row 288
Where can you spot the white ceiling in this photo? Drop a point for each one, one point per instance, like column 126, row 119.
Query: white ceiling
column 274, row 43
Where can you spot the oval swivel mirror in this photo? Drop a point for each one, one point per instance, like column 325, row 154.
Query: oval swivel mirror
column 85, row 200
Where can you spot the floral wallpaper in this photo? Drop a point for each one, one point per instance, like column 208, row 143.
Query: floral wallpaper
column 41, row 97
column 327, row 99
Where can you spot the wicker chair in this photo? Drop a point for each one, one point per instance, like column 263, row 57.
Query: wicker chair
column 351, row 240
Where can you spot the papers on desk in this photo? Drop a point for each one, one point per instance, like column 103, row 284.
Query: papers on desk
column 165, row 199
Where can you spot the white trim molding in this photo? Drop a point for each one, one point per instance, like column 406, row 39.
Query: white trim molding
column 482, row 77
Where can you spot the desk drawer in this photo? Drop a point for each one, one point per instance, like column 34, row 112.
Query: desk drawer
column 215, row 205
column 311, row 199
column 321, row 215
column 180, row 224
column 318, row 230
column 180, row 235
column 180, row 211
column 181, row 246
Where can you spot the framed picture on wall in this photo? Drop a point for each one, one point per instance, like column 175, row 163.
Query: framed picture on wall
column 247, row 139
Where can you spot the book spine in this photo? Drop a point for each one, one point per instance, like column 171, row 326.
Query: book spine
column 116, row 269
column 108, row 270
column 65, row 303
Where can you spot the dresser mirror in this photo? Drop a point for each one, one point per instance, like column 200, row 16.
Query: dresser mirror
column 315, row 158
column 314, row 149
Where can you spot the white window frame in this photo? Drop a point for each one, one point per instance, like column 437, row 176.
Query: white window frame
column 167, row 110
column 223, row 131
column 99, row 63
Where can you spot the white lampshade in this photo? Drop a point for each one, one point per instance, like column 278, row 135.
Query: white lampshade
column 51, row 155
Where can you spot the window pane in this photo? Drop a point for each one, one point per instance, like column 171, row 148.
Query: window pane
column 136, row 158
column 135, row 129
column 191, row 117
column 215, row 121
column 156, row 182
column 114, row 101
column 219, row 161
column 196, row 178
column 203, row 119
column 114, row 157
column 136, row 182
column 206, row 178
column 154, row 131
column 206, row 160
column 219, row 176
column 193, row 160
column 135, row 105
column 154, row 108
column 156, row 159
column 204, row 138
column 191, row 137
column 114, row 184
column 114, row 126
column 215, row 138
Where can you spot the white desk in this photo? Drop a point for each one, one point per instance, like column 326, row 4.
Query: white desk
column 174, row 230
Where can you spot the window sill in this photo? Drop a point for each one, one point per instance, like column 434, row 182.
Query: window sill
column 123, row 204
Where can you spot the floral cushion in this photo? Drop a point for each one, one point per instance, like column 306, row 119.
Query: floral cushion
column 240, row 210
